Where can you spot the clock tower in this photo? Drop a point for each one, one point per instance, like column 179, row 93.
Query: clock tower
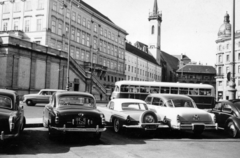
column 155, row 19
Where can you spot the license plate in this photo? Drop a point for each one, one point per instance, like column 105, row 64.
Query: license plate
column 198, row 127
column 80, row 121
column 151, row 127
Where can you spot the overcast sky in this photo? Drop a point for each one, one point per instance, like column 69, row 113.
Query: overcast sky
column 189, row 26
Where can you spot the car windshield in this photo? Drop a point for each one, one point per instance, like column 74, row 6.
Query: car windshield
column 180, row 103
column 134, row 106
column 5, row 102
column 78, row 100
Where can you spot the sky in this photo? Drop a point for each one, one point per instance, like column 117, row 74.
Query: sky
column 188, row 27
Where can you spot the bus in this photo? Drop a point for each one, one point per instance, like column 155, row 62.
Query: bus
column 202, row 94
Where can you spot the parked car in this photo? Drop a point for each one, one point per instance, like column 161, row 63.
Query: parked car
column 12, row 120
column 41, row 97
column 181, row 113
column 227, row 114
column 70, row 111
column 129, row 113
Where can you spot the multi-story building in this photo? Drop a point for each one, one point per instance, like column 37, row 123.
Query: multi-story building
column 141, row 66
column 224, row 59
column 90, row 37
column 192, row 73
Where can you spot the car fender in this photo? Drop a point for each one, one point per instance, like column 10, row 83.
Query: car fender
column 121, row 118
column 236, row 122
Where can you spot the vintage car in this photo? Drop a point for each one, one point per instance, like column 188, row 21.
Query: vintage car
column 41, row 97
column 181, row 113
column 129, row 113
column 12, row 120
column 227, row 114
column 70, row 111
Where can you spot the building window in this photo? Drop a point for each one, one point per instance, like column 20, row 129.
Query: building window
column 84, row 22
column 105, row 47
column 27, row 25
column 88, row 24
column 73, row 34
column 72, row 52
column 105, row 33
column 88, row 40
column 68, row 13
column 53, row 26
column 5, row 25
column 78, row 36
column 100, row 45
column 227, row 69
column 39, row 24
column 227, row 58
column 152, row 29
column 73, row 16
column 87, row 56
column 6, row 8
column 220, row 58
column 67, row 30
column 109, row 34
column 94, row 43
column 40, row 4
column 15, row 25
column 101, row 31
column 82, row 55
column 239, row 69
column 94, row 58
column 17, row 7
column 77, row 53
column 83, row 38
column 79, row 19
column 60, row 29
column 28, row 5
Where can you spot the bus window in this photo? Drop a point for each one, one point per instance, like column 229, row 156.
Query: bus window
column 147, row 89
column 204, row 91
column 124, row 88
column 174, row 90
column 193, row 91
column 183, row 90
column 116, row 89
column 165, row 90
column 154, row 89
column 135, row 89
column 143, row 89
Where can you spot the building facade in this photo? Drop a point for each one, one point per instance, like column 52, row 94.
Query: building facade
column 91, row 38
column 224, row 60
column 141, row 66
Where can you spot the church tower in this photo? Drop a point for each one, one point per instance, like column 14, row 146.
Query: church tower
column 155, row 19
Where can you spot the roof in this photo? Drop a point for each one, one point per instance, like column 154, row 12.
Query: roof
column 169, row 96
column 127, row 100
column 171, row 60
column 204, row 69
column 130, row 48
column 180, row 57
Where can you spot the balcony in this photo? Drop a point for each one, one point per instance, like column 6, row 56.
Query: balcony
column 98, row 70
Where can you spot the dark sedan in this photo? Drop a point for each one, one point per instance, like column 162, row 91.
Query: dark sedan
column 12, row 120
column 73, row 112
column 228, row 116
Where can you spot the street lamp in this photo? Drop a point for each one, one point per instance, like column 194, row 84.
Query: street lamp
column 232, row 90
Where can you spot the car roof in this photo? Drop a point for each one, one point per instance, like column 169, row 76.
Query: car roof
column 73, row 93
column 122, row 100
column 52, row 90
column 7, row 91
column 170, row 96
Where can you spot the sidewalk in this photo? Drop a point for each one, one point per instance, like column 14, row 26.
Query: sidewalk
column 33, row 122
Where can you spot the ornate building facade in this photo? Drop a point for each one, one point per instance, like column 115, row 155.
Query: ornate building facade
column 91, row 38
column 224, row 59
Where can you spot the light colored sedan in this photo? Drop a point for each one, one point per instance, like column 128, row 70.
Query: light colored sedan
column 181, row 113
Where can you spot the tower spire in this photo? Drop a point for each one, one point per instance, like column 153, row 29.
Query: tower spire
column 155, row 8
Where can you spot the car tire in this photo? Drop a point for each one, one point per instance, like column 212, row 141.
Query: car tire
column 29, row 103
column 232, row 130
column 148, row 117
column 117, row 125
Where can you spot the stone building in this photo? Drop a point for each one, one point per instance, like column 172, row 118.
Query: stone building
column 91, row 38
column 224, row 59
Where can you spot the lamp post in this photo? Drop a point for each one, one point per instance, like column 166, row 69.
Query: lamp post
column 232, row 84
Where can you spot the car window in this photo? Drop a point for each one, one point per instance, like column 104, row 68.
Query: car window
column 218, row 106
column 157, row 102
column 227, row 108
column 134, row 106
column 77, row 100
column 44, row 93
column 148, row 100
column 180, row 103
column 5, row 102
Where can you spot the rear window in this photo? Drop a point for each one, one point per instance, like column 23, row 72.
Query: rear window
column 5, row 102
column 76, row 100
column 180, row 103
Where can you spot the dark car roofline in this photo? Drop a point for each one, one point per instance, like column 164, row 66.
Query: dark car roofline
column 73, row 92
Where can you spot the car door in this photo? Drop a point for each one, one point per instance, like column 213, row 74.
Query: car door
column 225, row 114
column 217, row 111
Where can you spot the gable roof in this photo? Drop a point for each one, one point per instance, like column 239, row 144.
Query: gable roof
column 181, row 57
column 204, row 69
column 171, row 60
column 140, row 53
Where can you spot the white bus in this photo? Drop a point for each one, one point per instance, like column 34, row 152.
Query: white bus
column 202, row 94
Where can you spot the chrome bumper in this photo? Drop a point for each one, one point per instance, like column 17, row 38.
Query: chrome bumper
column 66, row 129
column 195, row 126
column 3, row 136
column 145, row 126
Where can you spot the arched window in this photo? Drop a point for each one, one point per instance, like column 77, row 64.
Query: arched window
column 152, row 29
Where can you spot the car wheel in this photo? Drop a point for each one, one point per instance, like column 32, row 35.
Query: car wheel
column 29, row 103
column 148, row 117
column 116, row 125
column 232, row 130
column 97, row 135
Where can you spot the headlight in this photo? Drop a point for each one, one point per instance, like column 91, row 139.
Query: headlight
column 128, row 120
column 178, row 118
